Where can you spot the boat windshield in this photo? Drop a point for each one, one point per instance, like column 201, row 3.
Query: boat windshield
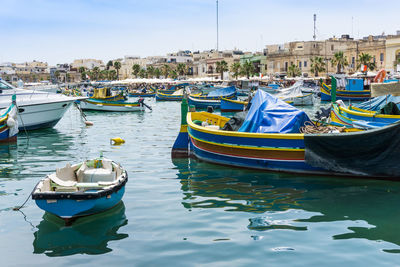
column 5, row 85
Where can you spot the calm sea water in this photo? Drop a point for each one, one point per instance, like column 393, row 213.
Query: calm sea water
column 185, row 212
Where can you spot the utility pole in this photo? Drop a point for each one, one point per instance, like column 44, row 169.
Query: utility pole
column 315, row 21
column 217, row 28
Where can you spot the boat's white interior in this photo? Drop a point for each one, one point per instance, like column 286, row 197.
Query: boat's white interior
column 91, row 174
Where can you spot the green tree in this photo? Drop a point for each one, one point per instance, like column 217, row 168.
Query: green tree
column 181, row 69
column 294, row 71
column 222, row 66
column 340, row 61
column 117, row 66
column 95, row 72
column 57, row 75
column 82, row 71
column 150, row 71
column 317, row 65
column 142, row 73
column 112, row 75
column 136, row 70
column 109, row 64
column 235, row 69
column 366, row 59
column 157, row 72
column 166, row 70
column 248, row 69
column 173, row 74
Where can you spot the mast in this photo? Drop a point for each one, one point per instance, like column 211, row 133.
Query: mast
column 217, row 28
column 315, row 21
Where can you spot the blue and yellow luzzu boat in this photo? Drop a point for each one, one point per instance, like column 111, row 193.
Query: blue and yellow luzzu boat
column 170, row 96
column 354, row 113
column 344, row 94
column 230, row 105
column 139, row 93
column 264, row 142
column 83, row 189
column 9, row 123
column 118, row 106
column 213, row 98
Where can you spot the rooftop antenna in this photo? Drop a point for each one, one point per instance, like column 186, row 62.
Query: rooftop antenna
column 217, row 28
column 315, row 21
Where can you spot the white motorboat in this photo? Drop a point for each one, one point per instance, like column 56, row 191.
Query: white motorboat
column 36, row 109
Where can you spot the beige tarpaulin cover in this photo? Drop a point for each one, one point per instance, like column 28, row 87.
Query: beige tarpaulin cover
column 378, row 89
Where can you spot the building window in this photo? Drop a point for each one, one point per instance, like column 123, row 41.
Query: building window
column 353, row 59
column 286, row 66
column 332, row 47
column 300, row 64
column 374, row 59
column 382, row 57
column 305, row 64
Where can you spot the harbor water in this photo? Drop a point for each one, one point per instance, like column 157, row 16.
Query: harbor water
column 185, row 212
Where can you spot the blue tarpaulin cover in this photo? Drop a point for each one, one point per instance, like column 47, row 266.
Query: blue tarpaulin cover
column 268, row 114
column 223, row 91
column 377, row 103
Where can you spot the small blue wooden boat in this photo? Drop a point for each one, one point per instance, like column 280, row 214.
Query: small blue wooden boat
column 213, row 98
column 230, row 105
column 9, row 123
column 90, row 187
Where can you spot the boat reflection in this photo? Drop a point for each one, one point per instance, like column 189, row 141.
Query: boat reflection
column 87, row 235
column 371, row 202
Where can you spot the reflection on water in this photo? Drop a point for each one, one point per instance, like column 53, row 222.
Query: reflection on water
column 87, row 235
column 331, row 199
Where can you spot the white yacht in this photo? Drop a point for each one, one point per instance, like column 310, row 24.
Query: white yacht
column 36, row 109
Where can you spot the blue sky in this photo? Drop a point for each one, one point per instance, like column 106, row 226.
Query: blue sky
column 59, row 31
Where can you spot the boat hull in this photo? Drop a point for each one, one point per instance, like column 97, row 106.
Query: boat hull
column 343, row 154
column 71, row 208
column 344, row 94
column 228, row 105
column 203, row 104
column 168, row 97
column 305, row 100
column 44, row 115
column 104, row 106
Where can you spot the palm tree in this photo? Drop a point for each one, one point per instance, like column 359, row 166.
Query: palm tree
column 82, row 72
column 109, row 64
column 136, row 69
column 365, row 59
column 166, row 70
column 235, row 68
column 150, row 71
column 173, row 74
column 248, row 69
column 340, row 61
column 117, row 66
column 317, row 65
column 157, row 72
column 112, row 75
column 181, row 69
column 222, row 66
column 294, row 71
column 96, row 72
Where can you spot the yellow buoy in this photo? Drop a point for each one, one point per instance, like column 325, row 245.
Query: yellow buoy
column 117, row 141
